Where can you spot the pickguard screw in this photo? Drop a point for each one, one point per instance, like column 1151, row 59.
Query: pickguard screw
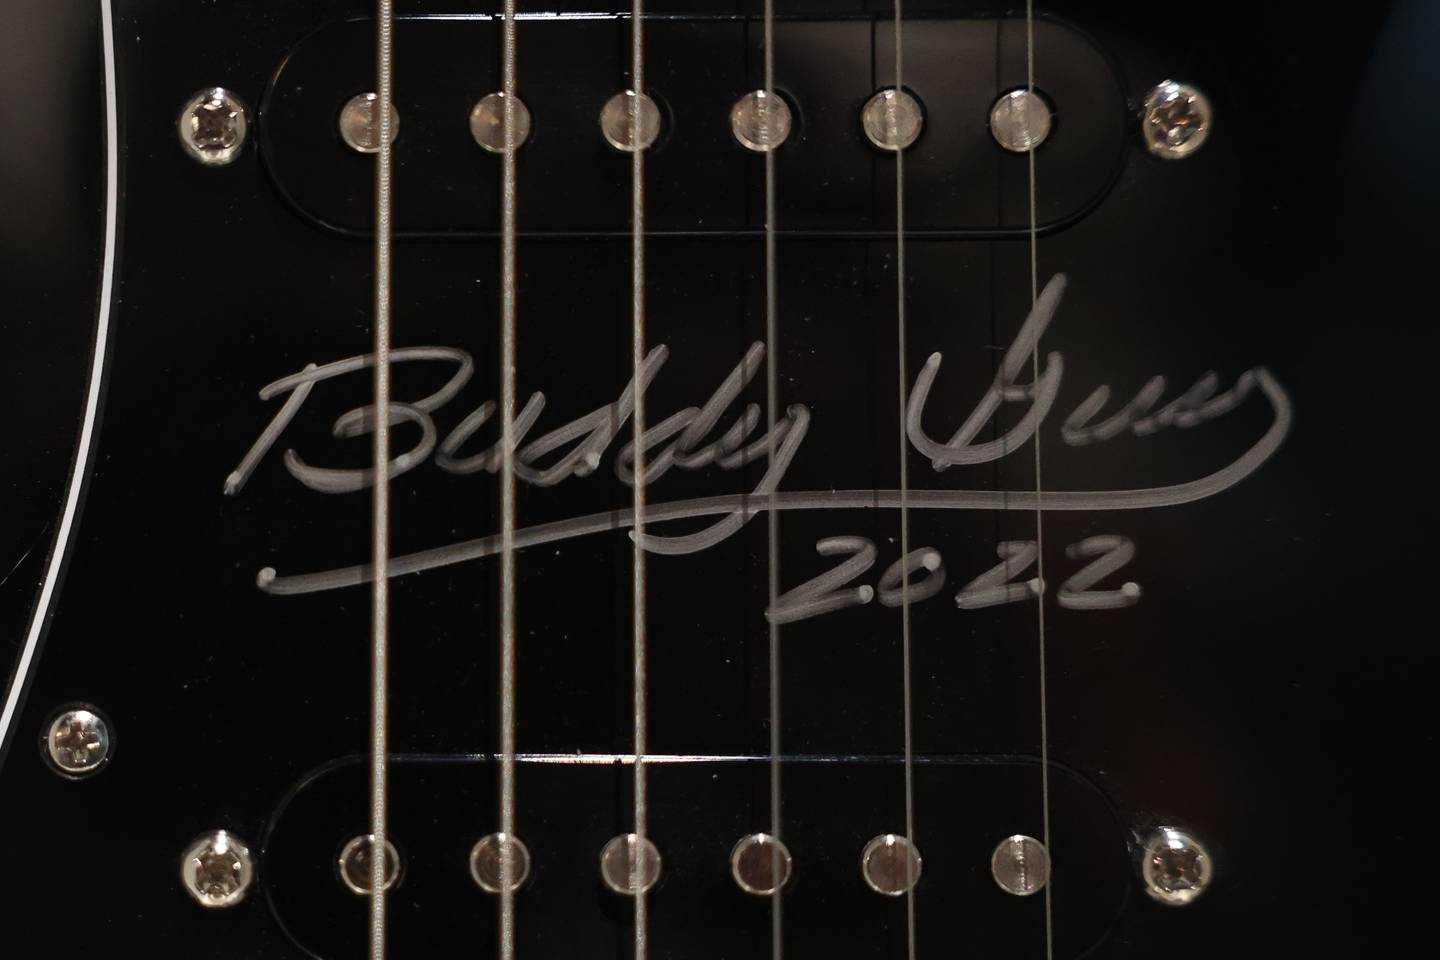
column 1175, row 867
column 77, row 742
column 212, row 126
column 1175, row 121
column 217, row 870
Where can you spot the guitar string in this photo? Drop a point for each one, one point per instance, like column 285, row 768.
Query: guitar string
column 380, row 525
column 773, row 515
column 1039, row 505
column 637, row 360
column 381, row 488
column 910, row 876
column 507, row 486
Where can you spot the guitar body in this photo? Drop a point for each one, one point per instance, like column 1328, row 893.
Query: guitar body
column 1233, row 573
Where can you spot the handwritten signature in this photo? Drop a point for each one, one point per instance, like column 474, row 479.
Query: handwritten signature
column 689, row 440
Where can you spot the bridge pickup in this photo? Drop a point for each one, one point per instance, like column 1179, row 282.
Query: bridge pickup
column 568, row 807
column 831, row 182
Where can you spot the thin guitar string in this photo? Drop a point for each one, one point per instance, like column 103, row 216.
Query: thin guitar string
column 910, row 875
column 507, row 486
column 637, row 360
column 773, row 518
column 1039, row 505
column 380, row 525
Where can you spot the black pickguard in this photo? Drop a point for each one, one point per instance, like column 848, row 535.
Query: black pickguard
column 1268, row 691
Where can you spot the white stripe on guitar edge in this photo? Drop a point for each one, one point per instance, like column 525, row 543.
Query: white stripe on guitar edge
column 80, row 471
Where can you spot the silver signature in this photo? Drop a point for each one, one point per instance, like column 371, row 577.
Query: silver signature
column 690, row 440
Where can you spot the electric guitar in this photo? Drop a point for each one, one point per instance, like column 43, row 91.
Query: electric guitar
column 699, row 480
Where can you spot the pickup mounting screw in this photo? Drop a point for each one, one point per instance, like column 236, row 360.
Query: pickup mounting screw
column 1175, row 867
column 212, row 126
column 1176, row 120
column 217, row 870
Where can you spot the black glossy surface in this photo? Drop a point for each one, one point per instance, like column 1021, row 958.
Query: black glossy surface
column 52, row 192
column 1270, row 691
